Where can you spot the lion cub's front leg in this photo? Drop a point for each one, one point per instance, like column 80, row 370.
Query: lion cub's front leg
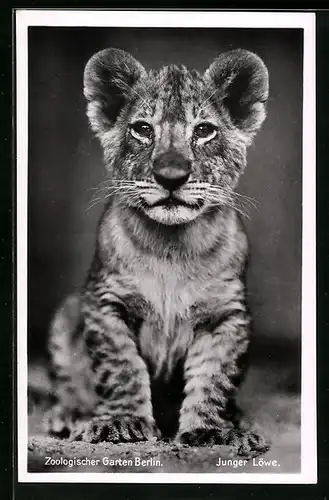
column 213, row 371
column 118, row 380
column 123, row 411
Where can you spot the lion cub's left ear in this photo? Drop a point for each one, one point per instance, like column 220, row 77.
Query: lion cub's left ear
column 242, row 81
column 108, row 79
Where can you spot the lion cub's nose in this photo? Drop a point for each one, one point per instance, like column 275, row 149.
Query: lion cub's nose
column 171, row 170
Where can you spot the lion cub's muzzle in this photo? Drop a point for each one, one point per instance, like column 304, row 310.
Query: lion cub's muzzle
column 171, row 170
column 169, row 201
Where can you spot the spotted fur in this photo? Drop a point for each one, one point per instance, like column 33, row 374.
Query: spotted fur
column 166, row 287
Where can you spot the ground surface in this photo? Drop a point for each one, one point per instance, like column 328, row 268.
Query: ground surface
column 265, row 397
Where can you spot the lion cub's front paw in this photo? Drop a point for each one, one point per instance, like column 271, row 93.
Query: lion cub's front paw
column 201, row 437
column 116, row 429
column 244, row 443
column 248, row 443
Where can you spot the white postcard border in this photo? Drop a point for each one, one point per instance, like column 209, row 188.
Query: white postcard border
column 99, row 18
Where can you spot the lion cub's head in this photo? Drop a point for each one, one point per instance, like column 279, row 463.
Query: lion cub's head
column 175, row 140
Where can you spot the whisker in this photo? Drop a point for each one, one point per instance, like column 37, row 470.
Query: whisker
column 123, row 181
column 142, row 98
column 219, row 197
column 105, row 193
column 223, row 188
column 241, row 198
column 104, row 189
column 110, row 180
column 91, row 206
column 206, row 100
column 97, row 201
column 230, row 205
column 108, row 184
column 244, row 196
column 247, row 199
column 248, row 203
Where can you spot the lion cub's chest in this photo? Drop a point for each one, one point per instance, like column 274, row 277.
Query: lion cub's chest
column 169, row 289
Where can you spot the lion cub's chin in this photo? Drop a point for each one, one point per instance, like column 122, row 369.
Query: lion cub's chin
column 173, row 215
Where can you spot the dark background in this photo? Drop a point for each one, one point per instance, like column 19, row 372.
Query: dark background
column 65, row 162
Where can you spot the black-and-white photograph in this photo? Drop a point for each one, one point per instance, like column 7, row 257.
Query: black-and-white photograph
column 167, row 247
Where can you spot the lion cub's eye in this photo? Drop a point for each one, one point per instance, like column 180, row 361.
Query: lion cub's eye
column 204, row 131
column 142, row 131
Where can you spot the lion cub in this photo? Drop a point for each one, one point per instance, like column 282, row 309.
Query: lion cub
column 166, row 286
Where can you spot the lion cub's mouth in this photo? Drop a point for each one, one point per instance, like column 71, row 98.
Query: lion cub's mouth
column 173, row 209
column 173, row 202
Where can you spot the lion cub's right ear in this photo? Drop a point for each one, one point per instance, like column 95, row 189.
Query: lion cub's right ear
column 108, row 77
column 241, row 78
